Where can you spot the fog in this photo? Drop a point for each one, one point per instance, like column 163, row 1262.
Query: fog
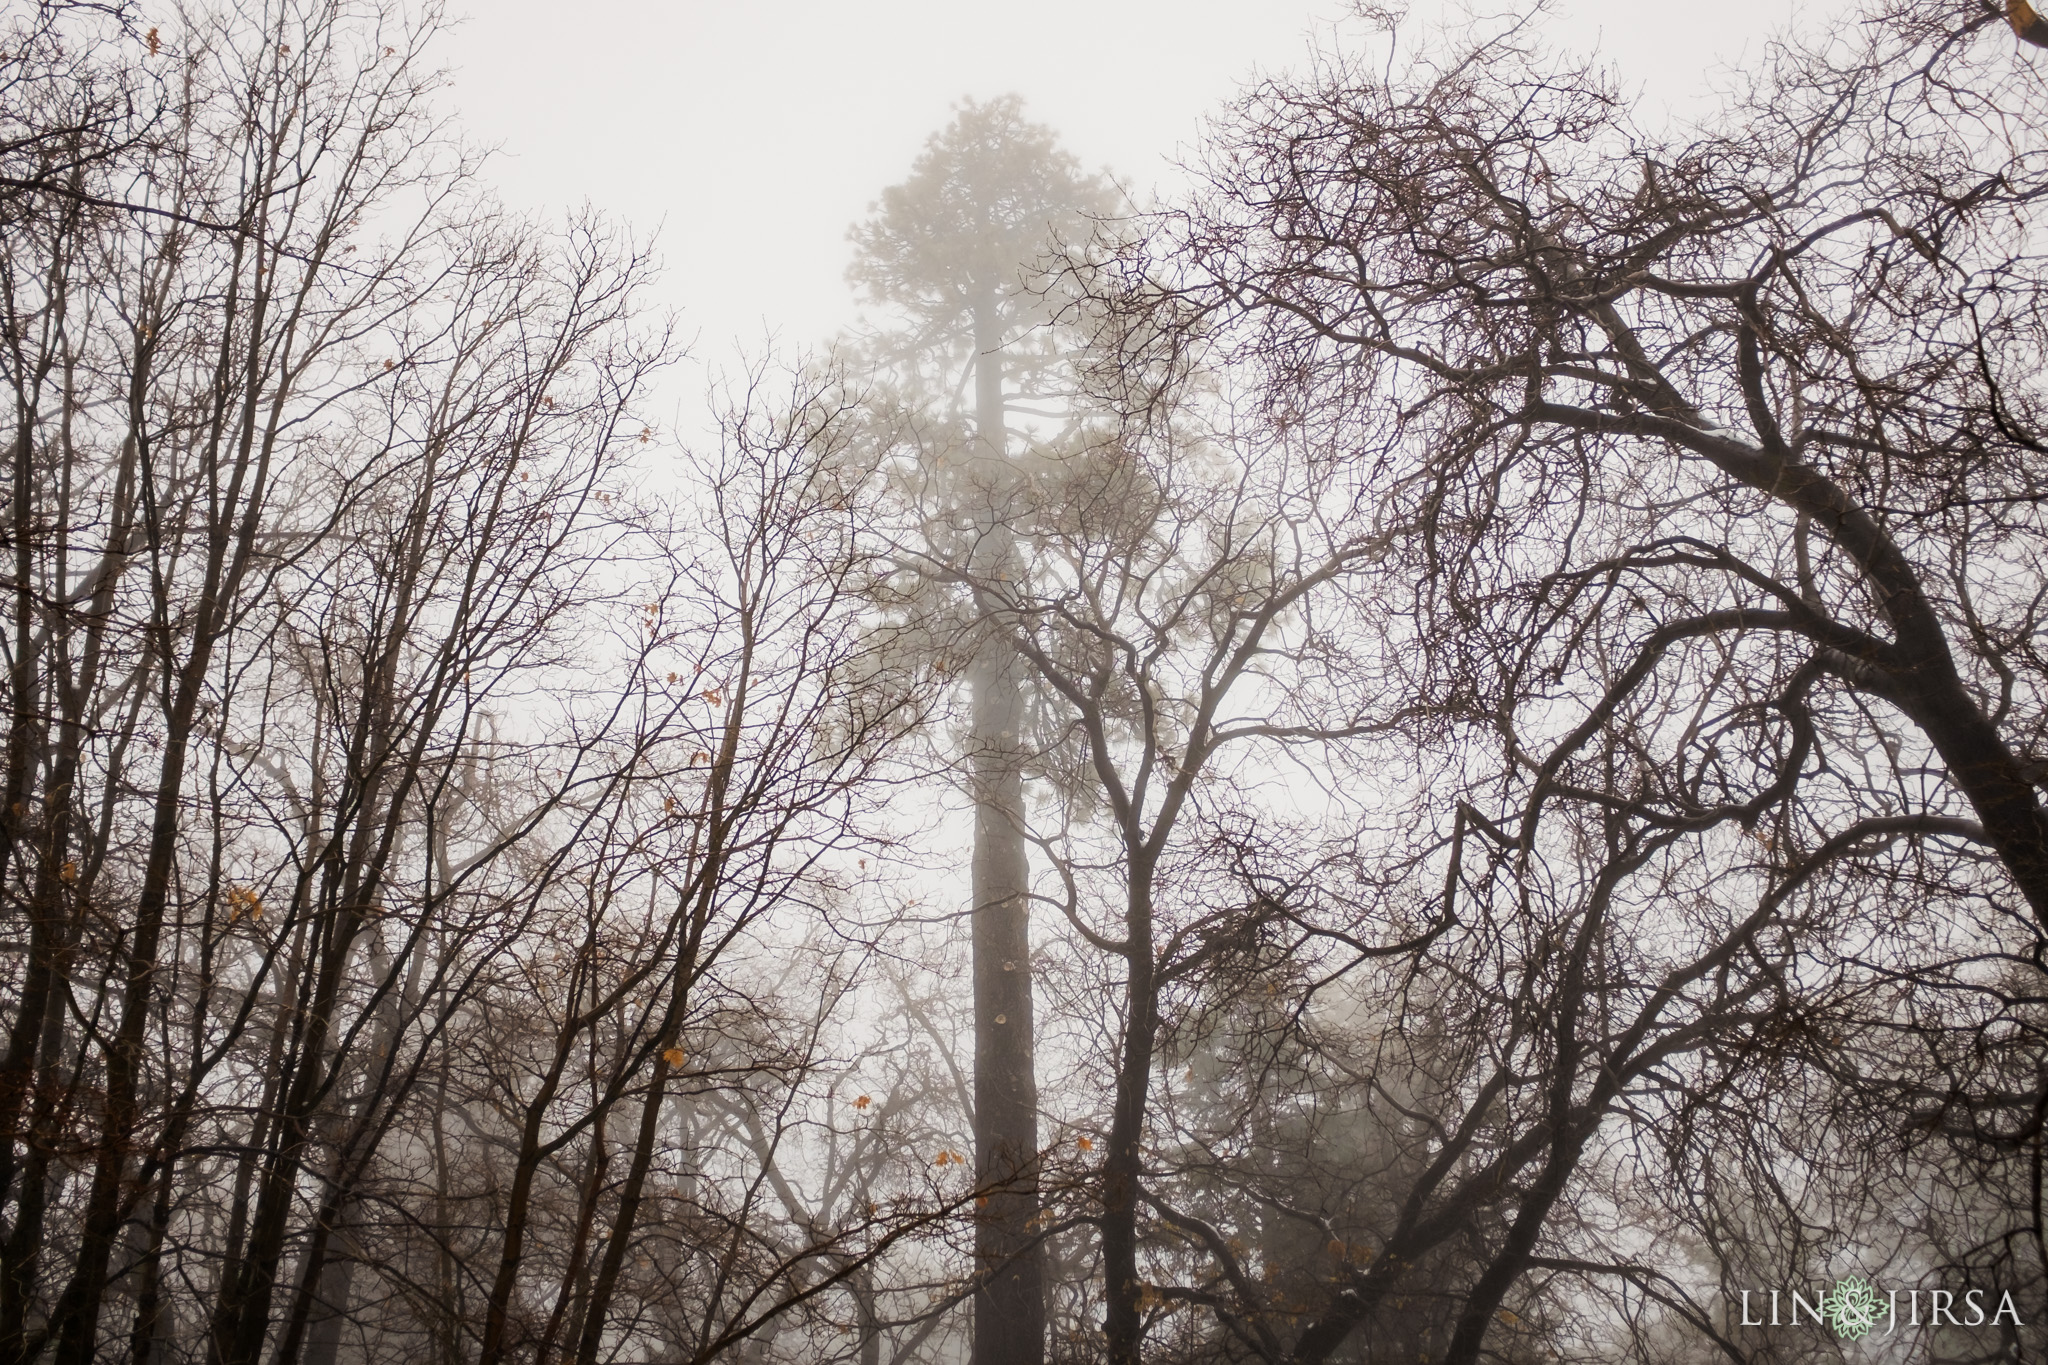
column 754, row 135
column 1153, row 684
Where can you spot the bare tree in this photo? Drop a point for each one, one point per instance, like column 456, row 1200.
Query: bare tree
column 1706, row 469
column 397, row 791
column 1171, row 608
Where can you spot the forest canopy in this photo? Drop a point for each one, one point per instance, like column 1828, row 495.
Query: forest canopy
column 1432, row 751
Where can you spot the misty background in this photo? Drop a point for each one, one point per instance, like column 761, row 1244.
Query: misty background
column 754, row 135
column 1143, row 684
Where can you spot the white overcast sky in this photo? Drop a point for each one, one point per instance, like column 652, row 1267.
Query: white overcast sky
column 750, row 133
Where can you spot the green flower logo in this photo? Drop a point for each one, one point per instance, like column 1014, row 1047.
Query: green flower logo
column 1852, row 1309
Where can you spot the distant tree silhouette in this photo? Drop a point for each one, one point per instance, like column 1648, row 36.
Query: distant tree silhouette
column 956, row 250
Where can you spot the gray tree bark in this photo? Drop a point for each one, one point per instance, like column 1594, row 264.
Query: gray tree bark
column 1009, row 1307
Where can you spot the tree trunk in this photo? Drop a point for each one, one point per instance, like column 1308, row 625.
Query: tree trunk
column 1009, row 1308
column 1123, row 1164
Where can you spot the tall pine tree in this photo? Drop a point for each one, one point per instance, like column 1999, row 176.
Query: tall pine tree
column 956, row 251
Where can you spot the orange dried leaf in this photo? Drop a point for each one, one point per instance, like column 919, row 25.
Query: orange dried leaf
column 1085, row 1144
